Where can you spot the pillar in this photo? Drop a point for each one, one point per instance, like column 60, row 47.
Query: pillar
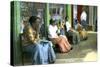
column 15, row 30
column 47, row 18
column 69, row 13
column 91, row 17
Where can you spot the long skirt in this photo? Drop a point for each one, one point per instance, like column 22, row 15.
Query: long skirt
column 63, row 43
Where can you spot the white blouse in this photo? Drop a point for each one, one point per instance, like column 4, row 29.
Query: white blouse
column 68, row 25
column 83, row 16
column 52, row 31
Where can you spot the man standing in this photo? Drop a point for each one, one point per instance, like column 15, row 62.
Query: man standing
column 84, row 19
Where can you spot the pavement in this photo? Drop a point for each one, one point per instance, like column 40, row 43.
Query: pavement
column 83, row 52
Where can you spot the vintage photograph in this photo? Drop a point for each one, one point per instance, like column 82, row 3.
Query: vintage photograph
column 52, row 33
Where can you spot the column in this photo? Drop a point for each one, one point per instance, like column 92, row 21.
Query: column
column 69, row 13
column 15, row 30
column 47, row 18
column 79, row 11
column 91, row 17
column 95, row 18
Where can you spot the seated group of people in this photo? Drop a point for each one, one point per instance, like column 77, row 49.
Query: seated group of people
column 81, row 30
column 41, row 49
column 61, row 32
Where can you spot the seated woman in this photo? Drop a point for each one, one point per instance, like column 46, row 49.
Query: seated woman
column 61, row 28
column 59, row 40
column 71, row 32
column 41, row 50
column 82, row 32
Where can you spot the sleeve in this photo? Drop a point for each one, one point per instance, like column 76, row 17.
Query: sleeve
column 29, row 34
column 56, row 28
column 81, row 16
column 69, row 24
column 50, row 31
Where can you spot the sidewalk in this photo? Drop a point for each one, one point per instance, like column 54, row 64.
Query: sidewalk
column 84, row 51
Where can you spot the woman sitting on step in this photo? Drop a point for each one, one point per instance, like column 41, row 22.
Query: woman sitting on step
column 61, row 41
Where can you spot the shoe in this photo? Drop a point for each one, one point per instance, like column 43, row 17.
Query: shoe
column 71, row 48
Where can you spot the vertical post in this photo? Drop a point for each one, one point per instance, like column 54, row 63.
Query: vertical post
column 69, row 13
column 65, row 10
column 47, row 18
column 95, row 17
column 47, row 13
column 15, row 32
column 91, row 17
column 79, row 11
column 72, row 15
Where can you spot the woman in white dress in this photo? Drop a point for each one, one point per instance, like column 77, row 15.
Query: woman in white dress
column 61, row 41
